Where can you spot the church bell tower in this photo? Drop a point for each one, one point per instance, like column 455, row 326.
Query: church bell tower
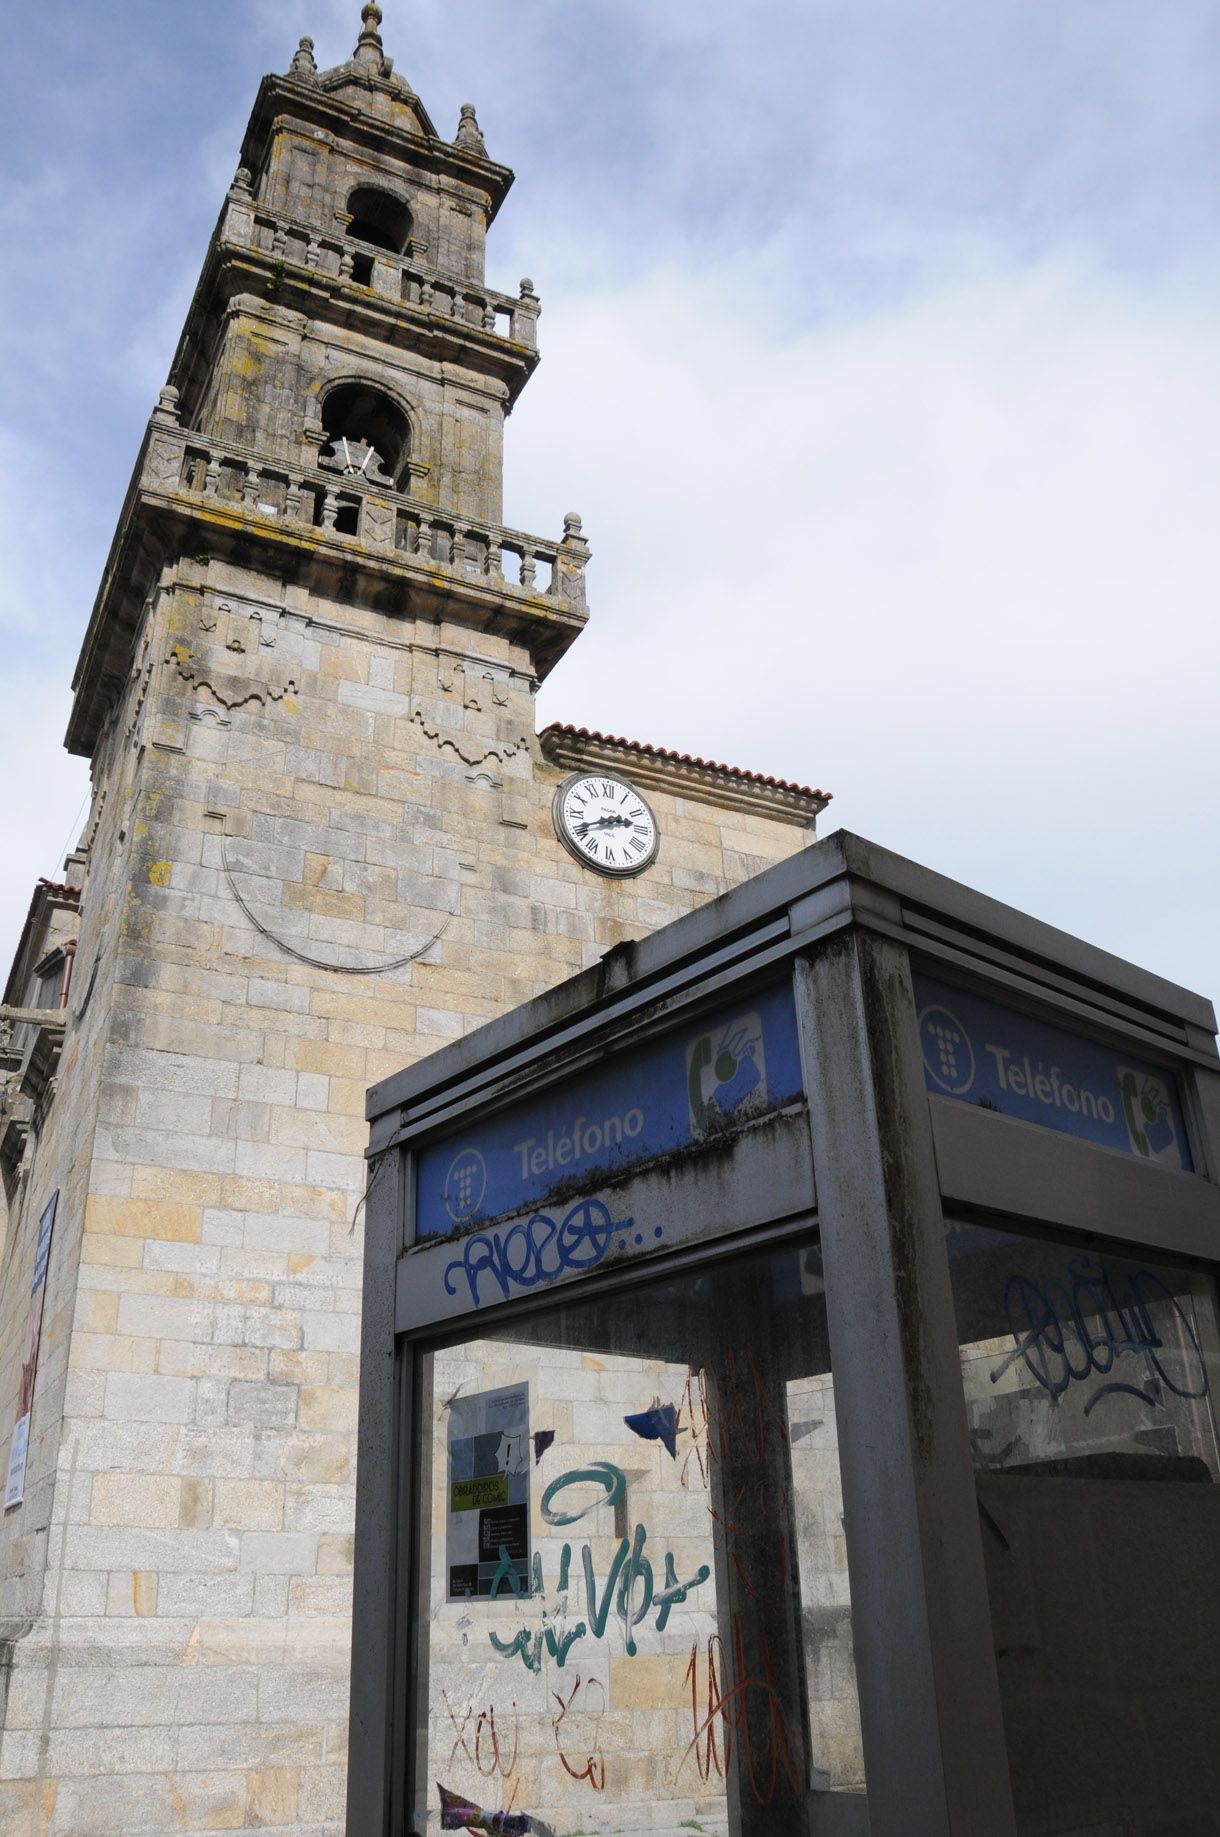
column 324, row 838
column 334, row 418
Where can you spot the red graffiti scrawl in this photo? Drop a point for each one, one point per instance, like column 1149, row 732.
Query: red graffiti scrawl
column 459, row 1814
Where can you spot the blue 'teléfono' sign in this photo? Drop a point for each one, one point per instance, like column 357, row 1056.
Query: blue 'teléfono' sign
column 984, row 1054
column 689, row 1085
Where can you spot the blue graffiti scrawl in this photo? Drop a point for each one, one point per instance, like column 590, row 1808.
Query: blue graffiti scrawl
column 658, row 1424
column 1114, row 1330
column 537, row 1249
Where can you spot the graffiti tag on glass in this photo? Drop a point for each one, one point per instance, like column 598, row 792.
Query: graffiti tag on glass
column 1103, row 1325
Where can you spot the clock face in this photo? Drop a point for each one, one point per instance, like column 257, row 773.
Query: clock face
column 606, row 824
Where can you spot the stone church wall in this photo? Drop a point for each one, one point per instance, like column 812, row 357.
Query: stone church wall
column 321, row 844
column 292, row 789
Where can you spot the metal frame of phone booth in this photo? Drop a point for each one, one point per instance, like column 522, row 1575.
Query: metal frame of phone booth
column 872, row 1155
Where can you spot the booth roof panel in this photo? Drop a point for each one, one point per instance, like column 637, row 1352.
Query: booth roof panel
column 841, row 881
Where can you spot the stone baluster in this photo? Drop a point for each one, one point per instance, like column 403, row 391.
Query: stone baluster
column 571, row 560
column 529, row 569
column 313, row 253
column 250, row 484
column 425, row 295
column 495, row 558
column 423, row 539
column 211, row 476
column 457, row 553
column 330, row 509
column 292, row 501
column 525, row 316
column 279, row 242
column 489, row 316
column 345, row 265
column 313, row 438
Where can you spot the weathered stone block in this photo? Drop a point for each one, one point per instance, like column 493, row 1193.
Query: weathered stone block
column 134, row 1397
column 135, row 1499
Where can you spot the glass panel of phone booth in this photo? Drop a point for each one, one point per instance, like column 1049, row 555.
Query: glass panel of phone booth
column 633, row 1610
column 1091, row 1379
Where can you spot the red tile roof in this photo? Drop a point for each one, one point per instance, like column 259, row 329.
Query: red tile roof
column 43, row 889
column 706, row 765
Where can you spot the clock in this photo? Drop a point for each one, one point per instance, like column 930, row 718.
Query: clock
column 606, row 824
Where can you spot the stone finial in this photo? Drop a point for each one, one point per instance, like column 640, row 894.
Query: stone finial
column 303, row 65
column 469, row 134
column 167, row 404
column 527, row 288
column 368, row 50
column 243, row 182
column 571, row 560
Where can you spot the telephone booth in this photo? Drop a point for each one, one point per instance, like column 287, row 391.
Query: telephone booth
column 788, row 1388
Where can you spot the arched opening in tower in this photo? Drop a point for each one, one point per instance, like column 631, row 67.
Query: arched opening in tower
column 380, row 218
column 367, row 435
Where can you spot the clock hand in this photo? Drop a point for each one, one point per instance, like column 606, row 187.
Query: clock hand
column 603, row 822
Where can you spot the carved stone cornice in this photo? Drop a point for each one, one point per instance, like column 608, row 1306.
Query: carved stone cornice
column 577, row 749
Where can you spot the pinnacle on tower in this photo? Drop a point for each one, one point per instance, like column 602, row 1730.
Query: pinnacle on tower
column 369, row 51
column 303, row 65
column 469, row 134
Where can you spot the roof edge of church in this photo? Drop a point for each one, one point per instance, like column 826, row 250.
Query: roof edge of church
column 563, row 743
column 61, row 892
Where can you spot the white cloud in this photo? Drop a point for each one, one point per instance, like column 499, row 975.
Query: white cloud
column 43, row 802
column 954, row 561
column 874, row 356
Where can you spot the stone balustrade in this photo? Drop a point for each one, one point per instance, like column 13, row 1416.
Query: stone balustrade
column 385, row 522
column 400, row 278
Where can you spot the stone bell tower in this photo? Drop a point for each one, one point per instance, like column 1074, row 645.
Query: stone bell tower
column 322, row 840
column 335, row 416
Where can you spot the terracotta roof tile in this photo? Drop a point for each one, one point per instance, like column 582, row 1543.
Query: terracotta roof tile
column 42, row 888
column 665, row 752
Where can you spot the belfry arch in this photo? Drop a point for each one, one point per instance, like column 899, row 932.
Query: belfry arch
column 366, row 432
column 378, row 217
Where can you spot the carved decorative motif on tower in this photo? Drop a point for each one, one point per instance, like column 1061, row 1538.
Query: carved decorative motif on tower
column 322, row 842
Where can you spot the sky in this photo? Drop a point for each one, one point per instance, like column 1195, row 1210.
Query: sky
column 881, row 357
